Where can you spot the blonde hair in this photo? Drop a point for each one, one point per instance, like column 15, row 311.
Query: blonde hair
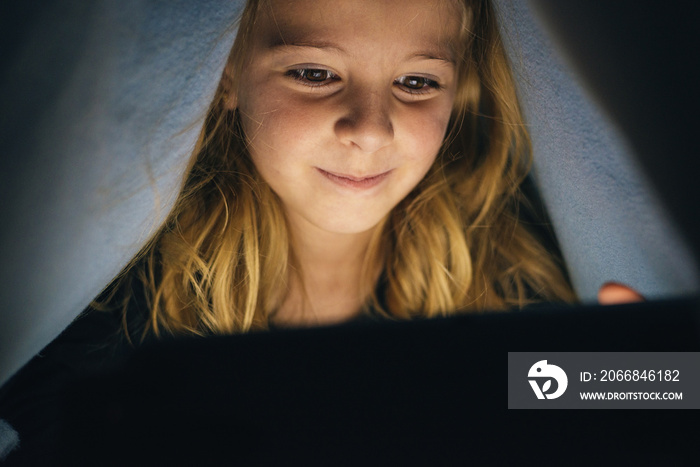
column 221, row 262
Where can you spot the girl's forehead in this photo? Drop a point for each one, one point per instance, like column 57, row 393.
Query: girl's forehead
column 434, row 24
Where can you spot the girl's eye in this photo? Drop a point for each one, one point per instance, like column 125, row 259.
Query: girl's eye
column 417, row 84
column 312, row 76
column 317, row 75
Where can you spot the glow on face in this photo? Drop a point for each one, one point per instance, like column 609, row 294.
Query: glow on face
column 345, row 104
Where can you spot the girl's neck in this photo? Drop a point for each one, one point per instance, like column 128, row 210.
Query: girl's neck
column 325, row 284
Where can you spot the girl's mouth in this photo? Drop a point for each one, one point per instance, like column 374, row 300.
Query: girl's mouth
column 353, row 181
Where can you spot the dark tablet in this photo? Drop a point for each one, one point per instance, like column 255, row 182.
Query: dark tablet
column 431, row 392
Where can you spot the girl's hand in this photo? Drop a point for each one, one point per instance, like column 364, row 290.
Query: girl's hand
column 612, row 293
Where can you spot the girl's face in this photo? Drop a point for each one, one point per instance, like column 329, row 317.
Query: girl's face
column 345, row 104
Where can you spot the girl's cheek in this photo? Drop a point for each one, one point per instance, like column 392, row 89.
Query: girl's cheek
column 426, row 130
column 292, row 125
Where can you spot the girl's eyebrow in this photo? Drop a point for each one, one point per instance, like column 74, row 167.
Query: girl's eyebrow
column 441, row 53
column 435, row 55
column 281, row 45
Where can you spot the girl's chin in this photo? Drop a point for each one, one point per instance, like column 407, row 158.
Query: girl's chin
column 338, row 215
column 346, row 228
column 348, row 224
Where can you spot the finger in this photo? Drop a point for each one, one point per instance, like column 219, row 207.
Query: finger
column 612, row 293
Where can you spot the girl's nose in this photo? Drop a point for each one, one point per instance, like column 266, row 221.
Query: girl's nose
column 366, row 124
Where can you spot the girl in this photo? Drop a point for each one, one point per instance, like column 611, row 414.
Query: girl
column 360, row 159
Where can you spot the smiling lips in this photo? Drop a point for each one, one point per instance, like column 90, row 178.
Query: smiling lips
column 351, row 181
